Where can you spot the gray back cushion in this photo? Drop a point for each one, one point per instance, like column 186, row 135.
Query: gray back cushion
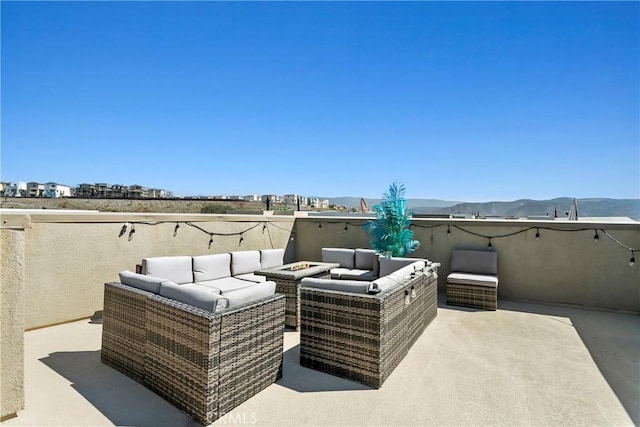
column 211, row 267
column 243, row 262
column 345, row 257
column 480, row 262
column 271, row 258
column 177, row 269
column 141, row 281
column 367, row 259
column 195, row 295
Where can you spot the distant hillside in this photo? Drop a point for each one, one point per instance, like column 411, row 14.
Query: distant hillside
column 354, row 202
column 525, row 207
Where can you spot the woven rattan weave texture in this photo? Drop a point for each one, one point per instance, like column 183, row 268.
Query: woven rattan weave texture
column 204, row 363
column 364, row 337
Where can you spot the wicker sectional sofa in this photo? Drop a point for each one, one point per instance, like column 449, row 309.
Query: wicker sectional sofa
column 205, row 349
column 361, row 330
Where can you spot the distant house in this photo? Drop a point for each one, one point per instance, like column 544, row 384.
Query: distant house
column 15, row 190
column 55, row 190
column 35, row 189
column 319, row 203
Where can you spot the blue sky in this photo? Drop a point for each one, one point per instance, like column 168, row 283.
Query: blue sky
column 461, row 101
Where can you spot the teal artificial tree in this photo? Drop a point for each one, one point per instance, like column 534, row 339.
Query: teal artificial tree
column 389, row 233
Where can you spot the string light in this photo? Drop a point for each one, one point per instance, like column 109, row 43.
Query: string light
column 264, row 227
column 210, row 240
column 345, row 227
column 489, row 245
column 241, row 239
column 537, row 234
column 596, row 238
column 319, row 225
column 132, row 231
column 175, row 230
column 633, row 258
column 448, row 229
column 123, row 230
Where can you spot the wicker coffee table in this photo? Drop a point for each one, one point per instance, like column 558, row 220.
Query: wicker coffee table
column 288, row 277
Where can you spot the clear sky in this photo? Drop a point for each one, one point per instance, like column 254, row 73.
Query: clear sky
column 475, row 101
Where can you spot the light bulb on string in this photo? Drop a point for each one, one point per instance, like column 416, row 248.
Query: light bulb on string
column 210, row 240
column 537, row 234
column 175, row 230
column 596, row 238
column 448, row 229
column 123, row 229
column 633, row 258
column 319, row 225
column 490, row 246
column 264, row 227
column 241, row 239
column 346, row 228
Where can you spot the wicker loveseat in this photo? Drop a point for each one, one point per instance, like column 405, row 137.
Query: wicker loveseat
column 362, row 330
column 203, row 356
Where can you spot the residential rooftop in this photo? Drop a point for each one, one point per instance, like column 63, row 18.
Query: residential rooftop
column 562, row 349
column 524, row 364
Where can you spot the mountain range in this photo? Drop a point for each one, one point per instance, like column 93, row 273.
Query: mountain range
column 588, row 207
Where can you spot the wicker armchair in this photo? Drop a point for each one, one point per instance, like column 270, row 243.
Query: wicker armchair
column 204, row 363
column 364, row 337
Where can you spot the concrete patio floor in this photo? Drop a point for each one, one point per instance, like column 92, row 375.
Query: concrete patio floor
column 525, row 364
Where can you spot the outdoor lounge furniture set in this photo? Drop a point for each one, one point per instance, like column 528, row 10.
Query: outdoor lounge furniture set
column 361, row 327
column 200, row 337
column 206, row 332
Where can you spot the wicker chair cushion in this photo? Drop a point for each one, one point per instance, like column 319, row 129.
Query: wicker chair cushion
column 473, row 279
column 367, row 259
column 345, row 257
column 353, row 274
column 195, row 295
column 227, row 284
column 389, row 265
column 243, row 262
column 211, row 267
column 141, row 281
column 354, row 286
column 252, row 293
column 478, row 262
column 270, row 258
column 177, row 269
column 252, row 277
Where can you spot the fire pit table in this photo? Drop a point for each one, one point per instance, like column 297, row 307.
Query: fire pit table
column 288, row 277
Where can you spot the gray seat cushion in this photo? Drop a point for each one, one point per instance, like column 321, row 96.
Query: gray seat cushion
column 177, row 269
column 389, row 265
column 353, row 274
column 211, row 267
column 192, row 294
column 270, row 258
column 344, row 257
column 354, row 286
column 252, row 277
column 473, row 279
column 227, row 284
column 141, row 281
column 243, row 262
column 253, row 293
